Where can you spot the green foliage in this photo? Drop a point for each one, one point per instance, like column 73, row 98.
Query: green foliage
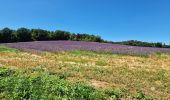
column 6, row 35
column 144, row 44
column 40, row 35
column 41, row 85
column 1, row 36
column 6, row 49
column 60, row 35
column 87, row 37
column 15, row 85
column 14, row 37
column 5, row 72
column 23, row 34
column 141, row 96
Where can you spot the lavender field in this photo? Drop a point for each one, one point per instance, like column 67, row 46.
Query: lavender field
column 56, row 46
column 107, row 76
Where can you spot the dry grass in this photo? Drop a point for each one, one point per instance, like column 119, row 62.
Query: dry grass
column 150, row 74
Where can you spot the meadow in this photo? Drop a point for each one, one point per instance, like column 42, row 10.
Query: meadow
column 30, row 73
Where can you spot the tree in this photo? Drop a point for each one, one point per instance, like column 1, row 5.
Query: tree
column 73, row 37
column 159, row 44
column 14, row 37
column 6, row 34
column 23, row 34
column 40, row 35
column 98, row 39
column 61, row 35
column 1, row 38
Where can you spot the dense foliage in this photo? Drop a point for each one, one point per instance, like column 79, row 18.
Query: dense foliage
column 144, row 44
column 23, row 35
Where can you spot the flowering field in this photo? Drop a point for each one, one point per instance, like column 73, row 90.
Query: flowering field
column 55, row 46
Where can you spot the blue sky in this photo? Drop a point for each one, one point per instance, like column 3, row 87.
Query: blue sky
column 116, row 20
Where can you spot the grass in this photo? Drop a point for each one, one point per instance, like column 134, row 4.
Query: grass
column 15, row 85
column 40, row 85
column 108, row 75
column 5, row 49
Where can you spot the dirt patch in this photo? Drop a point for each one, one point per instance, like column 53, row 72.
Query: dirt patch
column 99, row 84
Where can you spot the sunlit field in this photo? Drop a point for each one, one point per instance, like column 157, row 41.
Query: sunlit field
column 103, row 75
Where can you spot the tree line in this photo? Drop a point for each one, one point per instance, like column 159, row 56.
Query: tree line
column 143, row 44
column 8, row 35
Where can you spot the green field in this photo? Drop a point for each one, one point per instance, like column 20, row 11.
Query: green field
column 80, row 75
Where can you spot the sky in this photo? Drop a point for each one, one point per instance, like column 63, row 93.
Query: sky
column 115, row 20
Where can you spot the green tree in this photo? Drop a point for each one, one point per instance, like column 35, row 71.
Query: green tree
column 6, row 34
column 40, row 35
column 159, row 44
column 61, row 35
column 14, row 37
column 23, row 34
column 73, row 37
column 1, row 38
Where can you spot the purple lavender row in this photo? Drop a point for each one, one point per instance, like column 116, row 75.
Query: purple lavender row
column 56, row 46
